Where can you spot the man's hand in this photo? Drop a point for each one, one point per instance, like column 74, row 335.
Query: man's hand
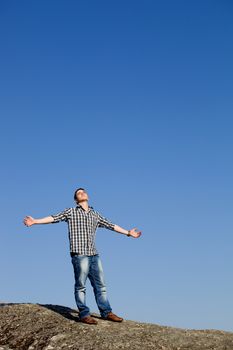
column 29, row 221
column 135, row 234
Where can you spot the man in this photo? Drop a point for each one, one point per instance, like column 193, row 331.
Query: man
column 82, row 222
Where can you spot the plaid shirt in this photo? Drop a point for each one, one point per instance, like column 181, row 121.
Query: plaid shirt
column 82, row 227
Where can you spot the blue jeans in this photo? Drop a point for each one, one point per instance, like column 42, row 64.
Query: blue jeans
column 89, row 266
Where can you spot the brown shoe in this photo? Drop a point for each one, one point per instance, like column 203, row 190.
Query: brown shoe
column 88, row 320
column 112, row 317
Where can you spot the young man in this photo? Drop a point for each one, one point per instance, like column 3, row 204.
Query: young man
column 82, row 222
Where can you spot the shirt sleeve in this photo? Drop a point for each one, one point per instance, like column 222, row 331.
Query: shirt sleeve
column 104, row 222
column 61, row 216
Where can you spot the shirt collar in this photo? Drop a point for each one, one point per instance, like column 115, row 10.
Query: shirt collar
column 79, row 206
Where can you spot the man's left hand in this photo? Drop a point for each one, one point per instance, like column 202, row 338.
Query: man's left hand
column 133, row 232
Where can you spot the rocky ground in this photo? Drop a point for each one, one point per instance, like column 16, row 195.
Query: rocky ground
column 36, row 327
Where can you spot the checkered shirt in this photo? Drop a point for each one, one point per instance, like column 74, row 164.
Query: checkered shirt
column 82, row 227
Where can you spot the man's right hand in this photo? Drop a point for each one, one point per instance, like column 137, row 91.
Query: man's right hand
column 29, row 221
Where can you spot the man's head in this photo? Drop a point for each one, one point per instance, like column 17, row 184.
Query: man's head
column 80, row 195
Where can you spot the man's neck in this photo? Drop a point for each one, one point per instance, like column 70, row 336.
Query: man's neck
column 84, row 205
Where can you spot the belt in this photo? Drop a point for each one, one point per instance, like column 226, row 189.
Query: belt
column 73, row 254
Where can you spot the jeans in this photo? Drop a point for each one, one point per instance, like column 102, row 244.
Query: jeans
column 89, row 266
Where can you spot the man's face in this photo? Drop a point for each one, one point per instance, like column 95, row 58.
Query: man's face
column 82, row 196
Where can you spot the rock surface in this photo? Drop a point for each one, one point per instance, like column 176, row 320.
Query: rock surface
column 36, row 327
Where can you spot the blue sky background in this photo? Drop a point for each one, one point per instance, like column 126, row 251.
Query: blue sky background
column 133, row 101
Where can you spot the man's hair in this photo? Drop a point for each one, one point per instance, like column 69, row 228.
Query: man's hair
column 80, row 188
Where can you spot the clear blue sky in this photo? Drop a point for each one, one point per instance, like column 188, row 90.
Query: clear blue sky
column 133, row 101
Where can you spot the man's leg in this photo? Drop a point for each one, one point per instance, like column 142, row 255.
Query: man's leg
column 96, row 276
column 81, row 266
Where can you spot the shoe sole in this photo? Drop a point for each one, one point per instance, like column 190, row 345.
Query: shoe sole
column 107, row 319
column 88, row 322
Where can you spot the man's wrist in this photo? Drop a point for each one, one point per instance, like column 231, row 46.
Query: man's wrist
column 128, row 233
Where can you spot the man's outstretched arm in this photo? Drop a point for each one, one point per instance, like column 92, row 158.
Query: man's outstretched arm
column 133, row 232
column 104, row 222
column 29, row 221
column 52, row 219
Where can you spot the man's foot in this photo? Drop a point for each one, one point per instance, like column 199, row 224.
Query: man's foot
column 112, row 317
column 88, row 319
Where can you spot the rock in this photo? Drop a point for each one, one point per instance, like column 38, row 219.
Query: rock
column 28, row 326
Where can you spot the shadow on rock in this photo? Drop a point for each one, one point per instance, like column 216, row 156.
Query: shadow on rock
column 64, row 311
